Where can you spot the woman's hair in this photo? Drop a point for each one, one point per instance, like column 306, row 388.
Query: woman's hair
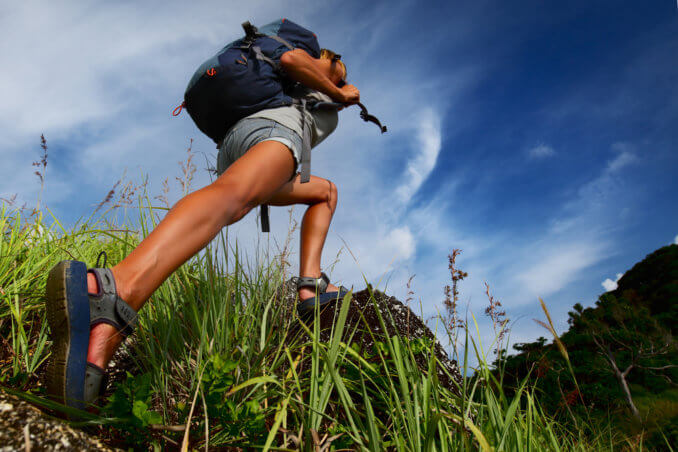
column 330, row 55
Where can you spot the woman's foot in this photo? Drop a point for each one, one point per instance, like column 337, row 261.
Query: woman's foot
column 104, row 339
column 317, row 292
column 307, row 292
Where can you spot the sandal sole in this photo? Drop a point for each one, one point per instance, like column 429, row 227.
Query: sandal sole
column 67, row 306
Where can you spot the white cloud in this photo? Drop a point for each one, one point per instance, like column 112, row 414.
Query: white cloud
column 675, row 241
column 424, row 156
column 541, row 151
column 609, row 284
column 399, row 242
column 519, row 267
column 105, row 80
column 376, row 252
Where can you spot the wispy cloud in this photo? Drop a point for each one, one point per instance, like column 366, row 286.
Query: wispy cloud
column 625, row 157
column 424, row 156
column 609, row 284
column 543, row 263
column 579, row 238
column 541, row 151
column 598, row 200
column 557, row 267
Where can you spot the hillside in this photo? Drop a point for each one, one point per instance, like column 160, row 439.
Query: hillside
column 622, row 351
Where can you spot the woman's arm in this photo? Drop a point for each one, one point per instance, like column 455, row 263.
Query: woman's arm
column 315, row 74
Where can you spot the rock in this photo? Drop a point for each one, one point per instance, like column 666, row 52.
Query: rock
column 398, row 318
column 23, row 427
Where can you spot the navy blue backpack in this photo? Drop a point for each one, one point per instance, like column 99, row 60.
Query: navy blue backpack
column 245, row 77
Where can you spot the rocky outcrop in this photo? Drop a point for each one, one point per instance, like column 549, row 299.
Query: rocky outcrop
column 398, row 319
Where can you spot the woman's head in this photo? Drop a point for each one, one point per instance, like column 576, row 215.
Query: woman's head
column 337, row 67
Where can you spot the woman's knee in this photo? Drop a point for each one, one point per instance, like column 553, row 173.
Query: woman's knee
column 324, row 192
column 332, row 195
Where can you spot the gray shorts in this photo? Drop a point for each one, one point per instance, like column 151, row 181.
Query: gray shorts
column 250, row 131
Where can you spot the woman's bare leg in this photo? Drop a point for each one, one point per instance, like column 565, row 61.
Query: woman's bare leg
column 321, row 196
column 187, row 228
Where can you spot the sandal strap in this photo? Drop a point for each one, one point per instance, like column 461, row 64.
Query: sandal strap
column 108, row 307
column 95, row 383
column 307, row 281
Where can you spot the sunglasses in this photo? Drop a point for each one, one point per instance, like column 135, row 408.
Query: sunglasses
column 336, row 57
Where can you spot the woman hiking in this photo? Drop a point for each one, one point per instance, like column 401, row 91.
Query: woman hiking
column 91, row 311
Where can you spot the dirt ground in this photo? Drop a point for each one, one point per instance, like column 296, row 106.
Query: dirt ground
column 25, row 428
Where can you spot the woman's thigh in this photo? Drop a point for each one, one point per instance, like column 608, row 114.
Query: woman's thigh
column 259, row 173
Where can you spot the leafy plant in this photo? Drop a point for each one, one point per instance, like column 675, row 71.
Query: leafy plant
column 131, row 403
column 246, row 417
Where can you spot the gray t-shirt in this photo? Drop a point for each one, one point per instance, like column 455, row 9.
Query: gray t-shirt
column 322, row 122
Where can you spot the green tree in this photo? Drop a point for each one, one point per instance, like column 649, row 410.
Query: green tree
column 629, row 339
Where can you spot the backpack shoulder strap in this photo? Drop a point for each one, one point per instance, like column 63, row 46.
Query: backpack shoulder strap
column 305, row 175
column 260, row 56
column 282, row 41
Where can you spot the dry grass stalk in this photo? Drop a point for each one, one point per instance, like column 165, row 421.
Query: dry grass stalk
column 497, row 315
column 165, row 191
column 108, row 197
column 11, row 200
column 451, row 301
column 285, row 252
column 129, row 190
column 42, row 164
column 188, row 169
column 408, row 300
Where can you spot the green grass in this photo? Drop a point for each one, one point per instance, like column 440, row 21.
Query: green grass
column 224, row 361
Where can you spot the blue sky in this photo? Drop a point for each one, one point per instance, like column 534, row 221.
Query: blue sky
column 538, row 137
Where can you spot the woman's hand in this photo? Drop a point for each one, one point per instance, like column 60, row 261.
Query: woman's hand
column 349, row 95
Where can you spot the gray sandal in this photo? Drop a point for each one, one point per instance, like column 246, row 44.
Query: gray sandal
column 307, row 306
column 96, row 381
column 71, row 313
column 108, row 307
